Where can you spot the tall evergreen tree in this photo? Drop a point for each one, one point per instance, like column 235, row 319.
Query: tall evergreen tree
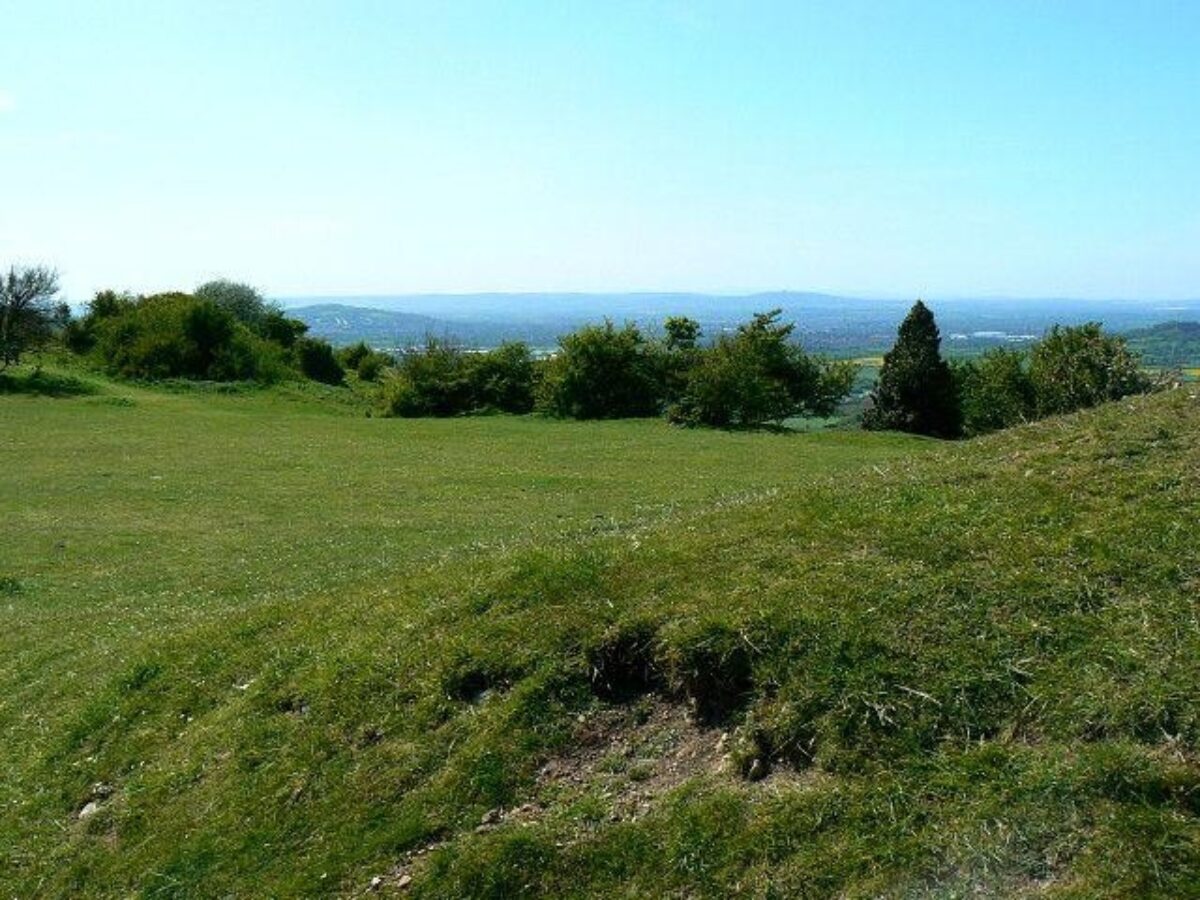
column 916, row 391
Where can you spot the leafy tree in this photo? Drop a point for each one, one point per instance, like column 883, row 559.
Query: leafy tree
column 107, row 304
column 602, row 372
column 79, row 335
column 916, row 391
column 284, row 331
column 27, row 314
column 241, row 301
column 316, row 360
column 996, row 392
column 758, row 375
column 1076, row 367
column 682, row 333
column 676, row 357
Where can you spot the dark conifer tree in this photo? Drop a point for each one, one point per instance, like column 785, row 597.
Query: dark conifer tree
column 916, row 391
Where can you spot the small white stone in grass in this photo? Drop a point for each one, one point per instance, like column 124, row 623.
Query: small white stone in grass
column 376, row 882
column 403, row 881
column 89, row 809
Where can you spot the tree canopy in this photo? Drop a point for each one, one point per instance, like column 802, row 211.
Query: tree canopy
column 27, row 311
column 916, row 391
column 241, row 301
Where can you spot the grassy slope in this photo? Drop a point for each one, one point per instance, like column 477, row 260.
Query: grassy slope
column 137, row 519
column 968, row 670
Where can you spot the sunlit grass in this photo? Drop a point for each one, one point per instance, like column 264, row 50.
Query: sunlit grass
column 282, row 646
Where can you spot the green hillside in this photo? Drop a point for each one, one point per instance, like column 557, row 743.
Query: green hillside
column 1171, row 344
column 261, row 645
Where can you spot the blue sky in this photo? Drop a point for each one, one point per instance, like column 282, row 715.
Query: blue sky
column 877, row 148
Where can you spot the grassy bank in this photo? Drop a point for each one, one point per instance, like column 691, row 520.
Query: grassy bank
column 266, row 648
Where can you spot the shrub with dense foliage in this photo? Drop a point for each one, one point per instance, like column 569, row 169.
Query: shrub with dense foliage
column 441, row 379
column 1071, row 368
column 1077, row 367
column 176, row 335
column 917, row 391
column 603, row 372
column 227, row 334
column 996, row 392
column 757, row 376
column 316, row 360
column 503, row 379
column 430, row 381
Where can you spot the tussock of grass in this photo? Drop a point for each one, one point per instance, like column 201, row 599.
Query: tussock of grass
column 980, row 665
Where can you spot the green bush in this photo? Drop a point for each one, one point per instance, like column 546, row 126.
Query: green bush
column 370, row 367
column 1081, row 366
column 502, row 379
column 679, row 353
column 758, row 376
column 173, row 335
column 602, row 372
column 996, row 392
column 177, row 336
column 316, row 360
column 248, row 306
column 431, row 381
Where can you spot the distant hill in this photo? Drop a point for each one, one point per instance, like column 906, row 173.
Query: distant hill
column 392, row 329
column 824, row 322
column 1168, row 344
column 346, row 324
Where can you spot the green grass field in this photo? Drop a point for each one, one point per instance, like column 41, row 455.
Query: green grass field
column 273, row 647
column 133, row 515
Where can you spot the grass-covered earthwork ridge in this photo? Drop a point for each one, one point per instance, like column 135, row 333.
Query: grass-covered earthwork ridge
column 257, row 645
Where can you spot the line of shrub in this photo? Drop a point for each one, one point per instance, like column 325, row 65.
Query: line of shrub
column 754, row 376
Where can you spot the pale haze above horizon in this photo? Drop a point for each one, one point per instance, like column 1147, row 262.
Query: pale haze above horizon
column 323, row 148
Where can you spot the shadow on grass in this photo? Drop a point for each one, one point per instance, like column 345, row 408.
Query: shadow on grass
column 44, row 384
